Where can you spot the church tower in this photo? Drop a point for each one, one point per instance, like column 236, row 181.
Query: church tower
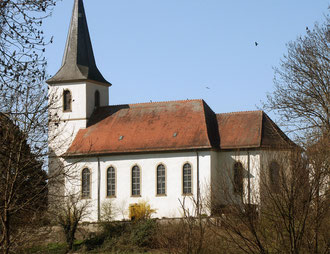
column 78, row 87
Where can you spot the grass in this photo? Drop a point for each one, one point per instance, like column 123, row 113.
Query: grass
column 52, row 248
column 60, row 248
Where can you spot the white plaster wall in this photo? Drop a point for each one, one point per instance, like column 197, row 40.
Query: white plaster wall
column 225, row 178
column 282, row 157
column 90, row 92
column 62, row 133
column 167, row 206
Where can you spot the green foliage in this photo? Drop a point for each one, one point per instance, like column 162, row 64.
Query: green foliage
column 114, row 229
column 123, row 237
column 52, row 248
column 95, row 242
column 142, row 233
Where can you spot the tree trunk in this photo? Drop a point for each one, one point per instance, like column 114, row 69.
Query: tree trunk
column 6, row 232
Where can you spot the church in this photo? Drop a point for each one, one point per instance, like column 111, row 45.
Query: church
column 164, row 153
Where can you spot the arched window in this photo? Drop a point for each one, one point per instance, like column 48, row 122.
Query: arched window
column 187, row 179
column 85, row 183
column 136, row 181
column 238, row 178
column 111, row 182
column 161, row 178
column 67, row 99
column 274, row 175
column 97, row 98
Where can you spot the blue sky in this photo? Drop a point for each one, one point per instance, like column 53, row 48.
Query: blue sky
column 164, row 50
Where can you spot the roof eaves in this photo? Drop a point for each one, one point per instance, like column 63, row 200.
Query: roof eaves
column 103, row 153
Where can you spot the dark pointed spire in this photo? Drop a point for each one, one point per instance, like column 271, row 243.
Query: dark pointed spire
column 78, row 61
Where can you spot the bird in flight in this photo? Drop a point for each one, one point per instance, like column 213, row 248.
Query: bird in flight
column 207, row 87
column 256, row 43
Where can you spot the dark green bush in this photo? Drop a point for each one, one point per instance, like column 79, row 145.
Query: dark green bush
column 94, row 242
column 123, row 236
column 114, row 229
column 142, row 232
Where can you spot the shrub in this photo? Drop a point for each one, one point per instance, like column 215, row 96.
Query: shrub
column 141, row 211
column 108, row 211
column 142, row 233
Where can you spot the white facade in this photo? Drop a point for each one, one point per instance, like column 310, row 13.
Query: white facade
column 65, row 125
column 212, row 170
column 167, row 205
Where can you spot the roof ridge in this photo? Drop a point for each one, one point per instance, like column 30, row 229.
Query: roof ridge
column 238, row 112
column 152, row 102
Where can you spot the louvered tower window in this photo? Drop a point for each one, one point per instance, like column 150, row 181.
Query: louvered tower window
column 238, row 178
column 67, row 100
column 97, row 98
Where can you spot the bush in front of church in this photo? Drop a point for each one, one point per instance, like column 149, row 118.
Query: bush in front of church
column 141, row 211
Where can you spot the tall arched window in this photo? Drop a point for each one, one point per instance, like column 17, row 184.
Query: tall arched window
column 238, row 178
column 111, row 182
column 97, row 99
column 85, row 183
column 67, row 99
column 136, row 181
column 274, row 175
column 161, row 178
column 187, row 179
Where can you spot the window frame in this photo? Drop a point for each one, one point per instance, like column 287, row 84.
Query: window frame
column 274, row 183
column 97, row 98
column 89, row 184
column 238, row 189
column 136, row 195
column 107, row 182
column 69, row 108
column 191, row 179
column 165, row 180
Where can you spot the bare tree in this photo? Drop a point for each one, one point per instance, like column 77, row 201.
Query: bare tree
column 23, row 186
column 302, row 86
column 194, row 223
column 21, row 42
column 24, row 117
column 302, row 99
column 284, row 219
column 69, row 213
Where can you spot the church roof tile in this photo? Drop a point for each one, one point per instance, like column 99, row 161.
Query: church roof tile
column 172, row 126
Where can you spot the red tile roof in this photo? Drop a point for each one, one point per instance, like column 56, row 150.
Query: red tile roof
column 240, row 129
column 250, row 129
column 176, row 125
column 171, row 126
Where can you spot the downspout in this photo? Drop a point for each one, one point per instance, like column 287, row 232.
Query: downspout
column 98, row 189
column 249, row 184
column 198, row 187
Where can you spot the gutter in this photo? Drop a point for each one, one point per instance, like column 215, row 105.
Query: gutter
column 249, row 183
column 98, row 189
column 148, row 151
column 198, row 187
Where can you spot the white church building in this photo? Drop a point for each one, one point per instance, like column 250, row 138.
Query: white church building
column 159, row 152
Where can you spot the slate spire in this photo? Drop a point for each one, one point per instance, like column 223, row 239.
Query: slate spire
column 78, row 62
